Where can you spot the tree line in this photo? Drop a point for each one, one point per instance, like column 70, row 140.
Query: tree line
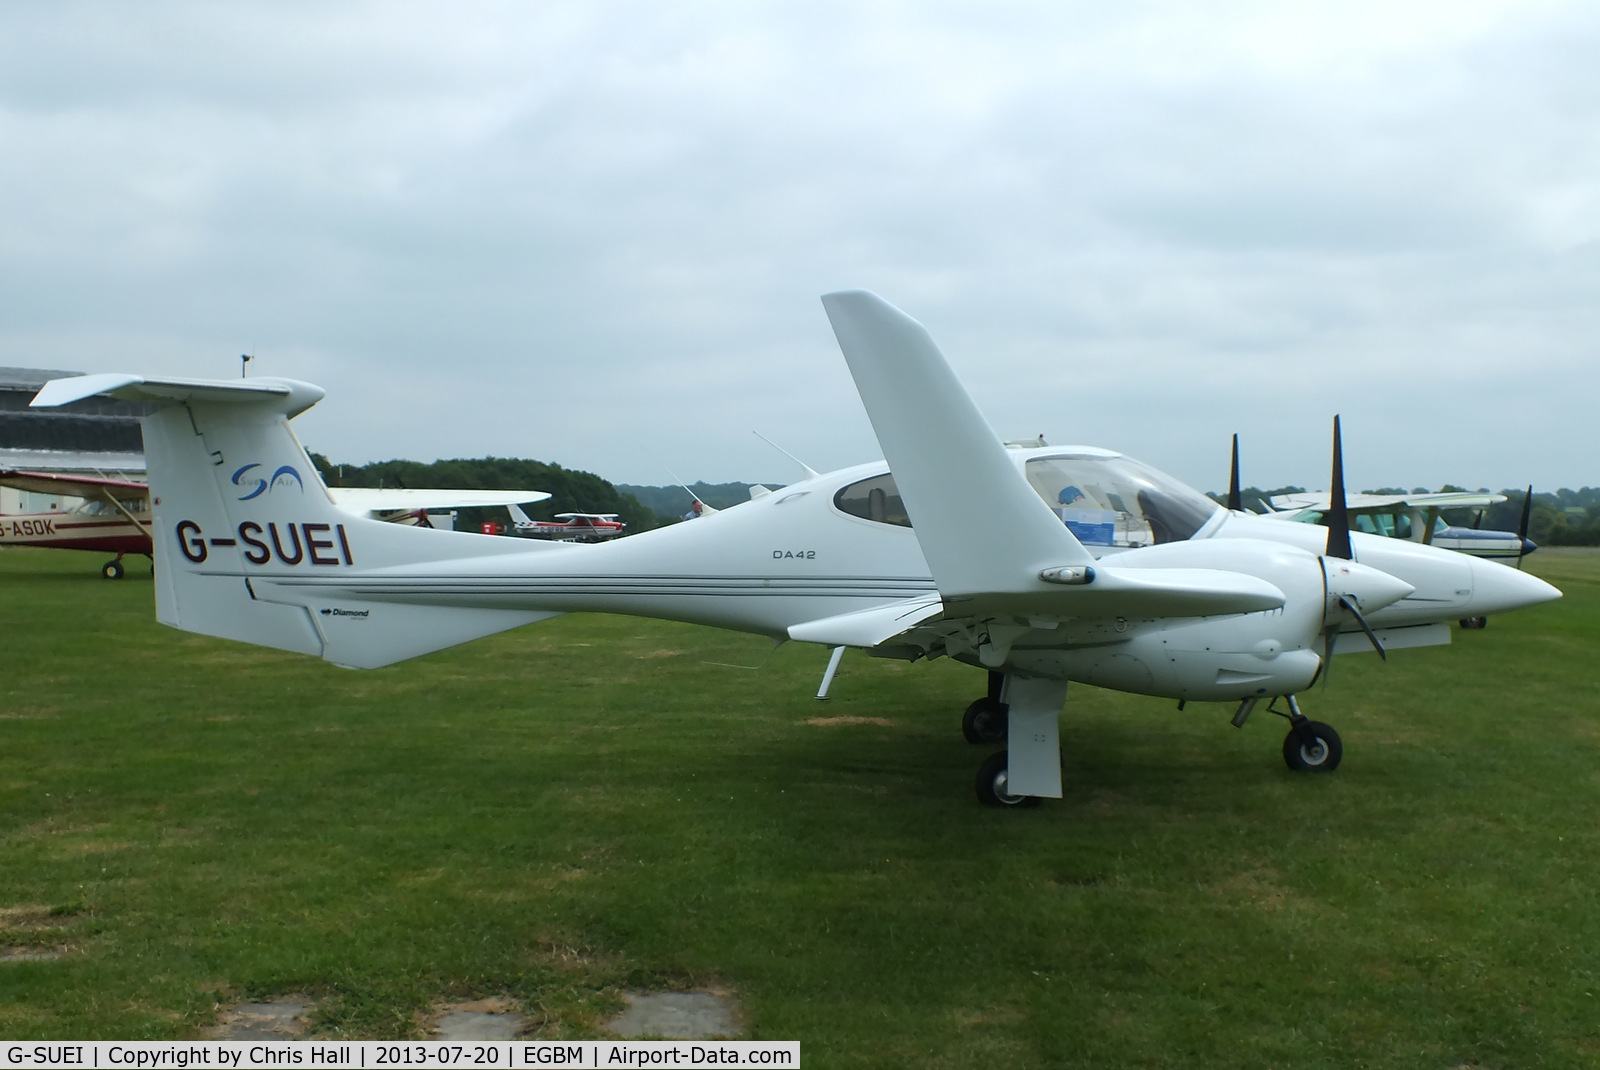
column 570, row 490
column 1559, row 518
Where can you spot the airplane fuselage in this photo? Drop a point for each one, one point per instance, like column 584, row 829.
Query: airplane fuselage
column 799, row 554
column 62, row 530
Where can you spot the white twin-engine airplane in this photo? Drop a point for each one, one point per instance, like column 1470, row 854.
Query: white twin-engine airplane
column 1040, row 565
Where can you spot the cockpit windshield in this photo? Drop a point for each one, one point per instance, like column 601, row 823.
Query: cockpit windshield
column 99, row 507
column 1114, row 501
column 1106, row 500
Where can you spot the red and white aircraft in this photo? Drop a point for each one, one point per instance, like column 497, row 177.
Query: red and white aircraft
column 572, row 527
column 115, row 517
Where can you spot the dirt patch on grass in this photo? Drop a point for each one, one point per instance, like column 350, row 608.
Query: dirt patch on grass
column 1259, row 887
column 31, row 917
column 576, row 959
column 34, row 932
column 13, row 953
column 829, row 722
column 495, row 1018
column 279, row 1018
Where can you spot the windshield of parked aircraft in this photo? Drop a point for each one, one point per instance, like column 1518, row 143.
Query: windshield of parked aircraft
column 97, row 507
column 1117, row 501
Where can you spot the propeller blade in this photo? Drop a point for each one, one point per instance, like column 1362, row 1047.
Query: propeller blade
column 1350, row 607
column 1522, row 528
column 1235, row 501
column 1338, row 518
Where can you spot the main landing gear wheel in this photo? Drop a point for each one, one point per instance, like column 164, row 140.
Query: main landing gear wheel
column 985, row 721
column 1474, row 623
column 111, row 570
column 991, row 784
column 1312, row 747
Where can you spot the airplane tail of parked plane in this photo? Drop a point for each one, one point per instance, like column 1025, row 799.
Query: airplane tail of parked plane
column 249, row 545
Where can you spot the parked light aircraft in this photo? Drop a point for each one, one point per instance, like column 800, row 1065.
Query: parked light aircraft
column 1405, row 516
column 1087, row 565
column 579, row 527
column 1415, row 517
column 115, row 516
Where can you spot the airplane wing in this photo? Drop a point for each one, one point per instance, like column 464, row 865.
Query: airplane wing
column 73, row 486
column 585, row 516
column 372, row 501
column 1019, row 560
column 1371, row 503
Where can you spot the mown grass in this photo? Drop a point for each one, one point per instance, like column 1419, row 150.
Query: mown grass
column 588, row 804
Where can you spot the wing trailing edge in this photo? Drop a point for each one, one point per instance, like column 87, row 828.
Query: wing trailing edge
column 868, row 627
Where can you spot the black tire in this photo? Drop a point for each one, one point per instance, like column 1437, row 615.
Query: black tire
column 111, row 570
column 1474, row 623
column 1312, row 747
column 985, row 721
column 991, row 785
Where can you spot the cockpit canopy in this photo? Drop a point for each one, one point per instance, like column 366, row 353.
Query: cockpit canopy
column 1107, row 501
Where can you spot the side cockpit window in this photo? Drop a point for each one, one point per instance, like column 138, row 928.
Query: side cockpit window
column 876, row 499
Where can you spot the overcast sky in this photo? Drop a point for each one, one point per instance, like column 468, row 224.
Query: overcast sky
column 595, row 234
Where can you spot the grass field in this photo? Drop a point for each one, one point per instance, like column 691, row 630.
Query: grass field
column 589, row 804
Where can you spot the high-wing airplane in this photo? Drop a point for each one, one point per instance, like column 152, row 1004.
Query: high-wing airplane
column 578, row 527
column 115, row 515
column 1415, row 517
column 1086, row 565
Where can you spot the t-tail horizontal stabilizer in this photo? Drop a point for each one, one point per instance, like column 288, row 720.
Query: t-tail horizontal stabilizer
column 248, row 543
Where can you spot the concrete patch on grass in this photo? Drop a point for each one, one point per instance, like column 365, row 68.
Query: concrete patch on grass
column 829, row 722
column 479, row 1019
column 283, row 1018
column 677, row 1016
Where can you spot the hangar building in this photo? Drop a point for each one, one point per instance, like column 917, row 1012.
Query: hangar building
column 97, row 436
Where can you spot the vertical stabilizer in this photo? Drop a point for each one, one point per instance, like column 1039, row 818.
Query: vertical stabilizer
column 249, row 545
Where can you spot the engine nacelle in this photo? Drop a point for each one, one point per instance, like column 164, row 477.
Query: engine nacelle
column 1275, row 652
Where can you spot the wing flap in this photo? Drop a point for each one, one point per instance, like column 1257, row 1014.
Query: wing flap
column 868, row 628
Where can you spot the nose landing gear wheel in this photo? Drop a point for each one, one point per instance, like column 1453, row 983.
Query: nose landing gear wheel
column 991, row 784
column 1312, row 747
column 111, row 570
column 985, row 721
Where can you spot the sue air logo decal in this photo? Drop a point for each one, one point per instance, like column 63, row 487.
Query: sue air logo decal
column 257, row 485
column 287, row 544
